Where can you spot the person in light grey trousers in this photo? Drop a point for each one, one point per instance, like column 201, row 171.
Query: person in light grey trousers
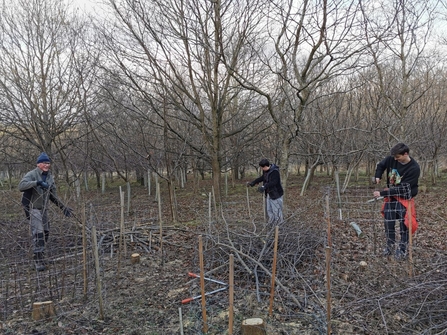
column 37, row 187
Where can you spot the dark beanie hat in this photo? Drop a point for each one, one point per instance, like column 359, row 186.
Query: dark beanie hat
column 43, row 157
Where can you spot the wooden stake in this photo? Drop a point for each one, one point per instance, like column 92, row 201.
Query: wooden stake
column 160, row 220
column 202, row 285
column 272, row 288
column 248, row 204
column 231, row 296
column 103, row 182
column 84, row 252
column 181, row 320
column 123, row 228
column 374, row 227
column 264, row 207
column 43, row 310
column 78, row 188
column 98, row 273
column 157, row 190
column 120, row 244
column 328, row 218
column 226, row 183
column 210, row 220
column 149, row 182
column 328, row 266
column 129, row 198
column 214, row 201
column 328, row 287
column 410, row 238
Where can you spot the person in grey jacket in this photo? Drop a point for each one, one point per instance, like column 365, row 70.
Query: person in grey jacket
column 272, row 188
column 38, row 187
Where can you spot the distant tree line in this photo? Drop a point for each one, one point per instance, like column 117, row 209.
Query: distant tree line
column 213, row 86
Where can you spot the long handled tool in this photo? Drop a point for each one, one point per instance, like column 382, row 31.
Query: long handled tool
column 187, row 300
column 209, row 279
column 374, row 199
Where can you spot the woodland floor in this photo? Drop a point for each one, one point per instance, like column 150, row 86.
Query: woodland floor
column 385, row 297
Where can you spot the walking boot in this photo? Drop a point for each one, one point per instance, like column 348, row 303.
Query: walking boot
column 39, row 262
column 389, row 250
column 401, row 254
column 39, row 247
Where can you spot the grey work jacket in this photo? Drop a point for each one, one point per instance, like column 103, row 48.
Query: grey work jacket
column 35, row 196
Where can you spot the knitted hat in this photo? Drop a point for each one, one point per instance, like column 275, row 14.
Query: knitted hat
column 43, row 157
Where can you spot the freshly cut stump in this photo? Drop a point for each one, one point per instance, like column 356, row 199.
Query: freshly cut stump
column 43, row 310
column 254, row 326
column 135, row 258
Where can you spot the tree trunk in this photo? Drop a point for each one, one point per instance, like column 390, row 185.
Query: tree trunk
column 284, row 168
column 172, row 200
column 216, row 177
column 309, row 176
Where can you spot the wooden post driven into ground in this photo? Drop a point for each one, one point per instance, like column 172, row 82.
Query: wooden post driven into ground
column 129, row 198
column 328, row 266
column 181, row 320
column 98, row 273
column 275, row 253
column 375, row 227
column 410, row 239
column 202, row 285
column 84, row 251
column 121, row 238
column 231, row 296
column 210, row 216
column 248, row 204
column 160, row 221
column 264, row 206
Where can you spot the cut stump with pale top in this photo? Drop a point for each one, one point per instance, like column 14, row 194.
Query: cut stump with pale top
column 43, row 310
column 254, row 326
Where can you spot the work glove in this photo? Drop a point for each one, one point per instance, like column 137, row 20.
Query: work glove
column 67, row 211
column 261, row 189
column 251, row 184
column 43, row 184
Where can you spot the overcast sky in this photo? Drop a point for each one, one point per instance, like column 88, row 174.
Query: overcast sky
column 87, row 5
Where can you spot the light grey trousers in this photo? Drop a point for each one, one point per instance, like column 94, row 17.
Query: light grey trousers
column 274, row 211
column 40, row 228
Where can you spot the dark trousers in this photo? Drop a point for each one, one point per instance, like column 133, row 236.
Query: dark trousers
column 393, row 211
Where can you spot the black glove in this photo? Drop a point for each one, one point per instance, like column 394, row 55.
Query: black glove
column 43, row 184
column 67, row 211
column 251, row 184
column 261, row 189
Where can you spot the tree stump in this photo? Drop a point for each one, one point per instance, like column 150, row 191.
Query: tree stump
column 43, row 310
column 363, row 266
column 135, row 258
column 254, row 326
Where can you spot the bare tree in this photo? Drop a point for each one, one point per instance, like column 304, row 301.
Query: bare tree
column 398, row 33
column 310, row 43
column 180, row 48
column 44, row 73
